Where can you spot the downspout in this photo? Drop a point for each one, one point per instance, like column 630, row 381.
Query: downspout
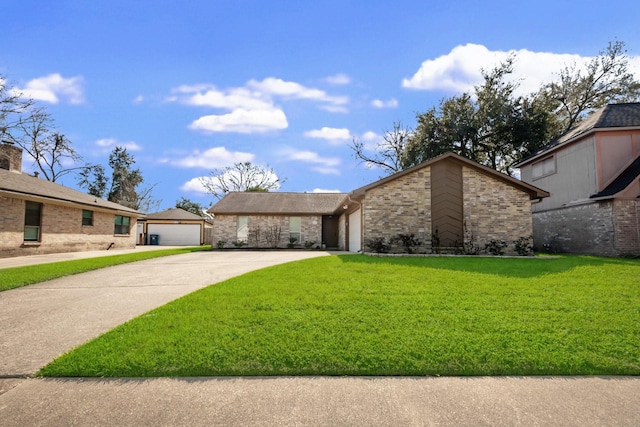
column 361, row 223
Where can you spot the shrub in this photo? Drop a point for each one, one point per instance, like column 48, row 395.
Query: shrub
column 435, row 242
column 378, row 245
column 309, row 244
column 524, row 246
column 239, row 243
column 221, row 244
column 408, row 241
column 495, row 247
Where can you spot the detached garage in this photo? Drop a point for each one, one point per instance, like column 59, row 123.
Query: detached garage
column 173, row 227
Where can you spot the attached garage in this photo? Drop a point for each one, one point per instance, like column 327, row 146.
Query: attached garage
column 176, row 234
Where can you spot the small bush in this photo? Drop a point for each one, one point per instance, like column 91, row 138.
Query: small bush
column 524, row 246
column 309, row 244
column 435, row 242
column 378, row 245
column 408, row 241
column 239, row 243
column 495, row 247
column 221, row 244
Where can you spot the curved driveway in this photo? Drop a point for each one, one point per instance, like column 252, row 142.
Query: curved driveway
column 42, row 321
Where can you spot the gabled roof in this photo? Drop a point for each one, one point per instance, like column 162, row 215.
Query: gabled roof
column 244, row 203
column 533, row 191
column 175, row 214
column 612, row 116
column 25, row 185
column 622, row 181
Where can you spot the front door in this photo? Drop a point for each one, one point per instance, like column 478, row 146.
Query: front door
column 330, row 231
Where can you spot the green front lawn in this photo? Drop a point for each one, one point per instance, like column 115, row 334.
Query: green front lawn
column 359, row 315
column 16, row 277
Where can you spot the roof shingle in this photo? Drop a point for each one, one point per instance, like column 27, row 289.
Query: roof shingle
column 279, row 203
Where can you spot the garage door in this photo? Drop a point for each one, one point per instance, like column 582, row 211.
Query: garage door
column 354, row 232
column 176, row 234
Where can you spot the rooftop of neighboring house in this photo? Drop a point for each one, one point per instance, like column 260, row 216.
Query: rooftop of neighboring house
column 175, row 214
column 239, row 203
column 25, row 185
column 610, row 117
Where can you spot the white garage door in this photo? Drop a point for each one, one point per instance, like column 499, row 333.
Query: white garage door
column 175, row 234
column 354, row 232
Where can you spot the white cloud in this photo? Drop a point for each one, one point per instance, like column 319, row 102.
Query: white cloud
column 212, row 158
column 251, row 108
column 338, row 79
column 333, row 135
column 371, row 136
column 194, row 185
column 322, row 190
column 242, row 121
column 323, row 165
column 108, row 143
column 460, row 69
column 53, row 87
column 378, row 103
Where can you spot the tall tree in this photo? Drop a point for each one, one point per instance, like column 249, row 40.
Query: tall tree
column 124, row 185
column 32, row 129
column 578, row 92
column 241, row 177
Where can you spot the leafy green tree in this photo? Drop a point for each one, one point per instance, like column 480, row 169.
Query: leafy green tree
column 578, row 92
column 124, row 184
column 190, row 206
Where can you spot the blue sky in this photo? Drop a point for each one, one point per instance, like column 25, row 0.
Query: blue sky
column 192, row 86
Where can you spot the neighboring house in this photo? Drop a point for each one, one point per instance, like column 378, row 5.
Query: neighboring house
column 593, row 175
column 38, row 216
column 449, row 196
column 277, row 219
column 174, row 227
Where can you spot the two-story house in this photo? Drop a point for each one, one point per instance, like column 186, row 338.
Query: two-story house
column 593, row 175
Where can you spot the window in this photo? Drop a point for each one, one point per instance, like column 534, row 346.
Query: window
column 543, row 168
column 32, row 216
column 122, row 225
column 87, row 217
column 294, row 229
column 243, row 228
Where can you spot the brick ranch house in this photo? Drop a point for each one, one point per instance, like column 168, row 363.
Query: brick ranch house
column 458, row 198
column 593, row 175
column 38, row 216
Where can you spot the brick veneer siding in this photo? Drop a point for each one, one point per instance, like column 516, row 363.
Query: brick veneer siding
column 402, row 205
column 61, row 230
column 225, row 229
column 607, row 228
column 494, row 210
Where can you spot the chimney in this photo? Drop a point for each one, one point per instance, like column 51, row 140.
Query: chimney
column 10, row 157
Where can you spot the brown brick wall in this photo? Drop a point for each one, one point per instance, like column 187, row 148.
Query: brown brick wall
column 61, row 230
column 494, row 209
column 225, row 229
column 627, row 226
column 402, row 205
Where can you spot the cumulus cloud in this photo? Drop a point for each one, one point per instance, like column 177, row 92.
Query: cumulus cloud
column 242, row 121
column 378, row 103
column 251, row 108
column 109, row 143
column 339, row 79
column 333, row 135
column 460, row 69
column 53, row 88
column 212, row 158
column 194, row 185
column 323, row 165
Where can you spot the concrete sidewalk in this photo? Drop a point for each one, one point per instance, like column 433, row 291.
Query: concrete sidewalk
column 323, row 401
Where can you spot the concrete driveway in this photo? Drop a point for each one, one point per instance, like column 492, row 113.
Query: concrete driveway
column 39, row 322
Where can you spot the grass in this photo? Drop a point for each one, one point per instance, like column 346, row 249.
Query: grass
column 16, row 277
column 359, row 315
